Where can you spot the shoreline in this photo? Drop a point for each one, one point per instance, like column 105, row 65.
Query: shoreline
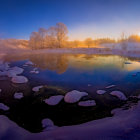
column 88, row 51
column 123, row 125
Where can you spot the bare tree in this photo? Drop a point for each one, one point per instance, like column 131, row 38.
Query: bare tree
column 61, row 33
column 88, row 42
column 76, row 43
column 55, row 36
column 42, row 32
column 34, row 41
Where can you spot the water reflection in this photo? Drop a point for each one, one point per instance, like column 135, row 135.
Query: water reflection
column 79, row 70
column 53, row 62
column 69, row 72
column 61, row 62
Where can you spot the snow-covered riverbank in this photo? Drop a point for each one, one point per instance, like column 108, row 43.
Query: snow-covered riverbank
column 125, row 124
column 124, row 49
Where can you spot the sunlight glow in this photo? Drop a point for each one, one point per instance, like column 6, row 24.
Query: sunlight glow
column 139, row 34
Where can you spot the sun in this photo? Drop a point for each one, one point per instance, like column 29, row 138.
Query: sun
column 139, row 34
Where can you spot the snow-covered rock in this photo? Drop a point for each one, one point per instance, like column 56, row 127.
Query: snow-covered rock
column 35, row 70
column 4, row 66
column 3, row 73
column 127, row 63
column 36, row 89
column 74, row 96
column 119, row 94
column 29, row 63
column 54, row 100
column 18, row 95
column 19, row 79
column 11, row 73
column 4, row 107
column 101, row 91
column 17, row 70
column 14, row 71
column 32, row 71
column 87, row 103
column 48, row 124
column 111, row 86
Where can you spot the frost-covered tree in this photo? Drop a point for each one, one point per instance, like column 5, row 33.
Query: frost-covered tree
column 88, row 42
column 61, row 34
column 53, row 37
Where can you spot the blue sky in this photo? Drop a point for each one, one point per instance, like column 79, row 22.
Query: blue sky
column 84, row 18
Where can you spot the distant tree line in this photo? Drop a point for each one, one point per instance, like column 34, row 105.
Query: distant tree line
column 57, row 37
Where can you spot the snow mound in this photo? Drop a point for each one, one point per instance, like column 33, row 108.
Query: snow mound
column 127, row 63
column 35, row 70
column 14, row 71
column 48, row 124
column 4, row 107
column 111, row 86
column 36, row 89
column 17, row 70
column 29, row 63
column 74, row 96
column 19, row 79
column 119, row 94
column 3, row 73
column 18, row 95
column 87, row 103
column 4, row 66
column 54, row 100
column 101, row 91
column 11, row 73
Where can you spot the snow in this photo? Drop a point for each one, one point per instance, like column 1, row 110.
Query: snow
column 5, row 70
column 29, row 63
column 127, row 63
column 119, row 94
column 4, row 107
column 11, row 73
column 35, row 70
column 54, row 100
column 19, row 79
column 123, row 125
column 3, row 73
column 87, row 103
column 111, row 86
column 18, row 95
column 101, row 91
column 74, row 96
column 17, row 70
column 36, row 89
column 48, row 124
column 4, row 66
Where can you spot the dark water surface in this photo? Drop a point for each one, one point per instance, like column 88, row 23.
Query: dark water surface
column 62, row 73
